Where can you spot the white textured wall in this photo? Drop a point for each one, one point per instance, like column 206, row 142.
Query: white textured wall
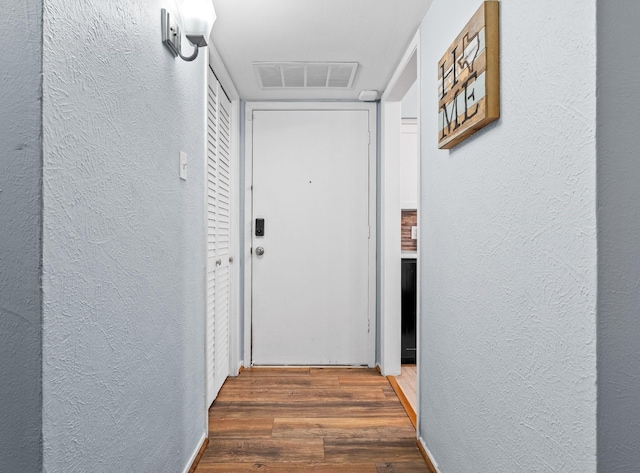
column 508, row 251
column 618, row 238
column 20, row 236
column 410, row 102
column 123, row 275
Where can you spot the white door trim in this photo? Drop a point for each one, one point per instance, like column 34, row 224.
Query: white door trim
column 403, row 78
column 250, row 107
column 234, row 267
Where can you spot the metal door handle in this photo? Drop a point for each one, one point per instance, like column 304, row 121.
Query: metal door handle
column 259, row 251
column 218, row 262
column 230, row 259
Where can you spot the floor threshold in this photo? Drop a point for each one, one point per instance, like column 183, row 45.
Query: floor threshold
column 404, row 401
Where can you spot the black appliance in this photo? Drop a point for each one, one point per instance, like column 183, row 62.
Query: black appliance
column 409, row 310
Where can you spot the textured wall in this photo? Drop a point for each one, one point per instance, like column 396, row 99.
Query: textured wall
column 508, row 252
column 618, row 239
column 410, row 103
column 20, row 237
column 123, row 256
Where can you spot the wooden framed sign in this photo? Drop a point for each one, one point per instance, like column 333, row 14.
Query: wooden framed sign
column 469, row 78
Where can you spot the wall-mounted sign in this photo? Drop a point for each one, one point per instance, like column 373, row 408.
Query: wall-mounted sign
column 469, row 78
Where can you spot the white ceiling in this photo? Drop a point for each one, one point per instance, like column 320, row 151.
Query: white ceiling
column 374, row 33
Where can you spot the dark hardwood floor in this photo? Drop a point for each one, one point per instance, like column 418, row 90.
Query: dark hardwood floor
column 288, row 420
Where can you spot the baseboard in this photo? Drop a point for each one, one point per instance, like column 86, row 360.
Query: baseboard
column 233, row 372
column 428, row 457
column 197, row 454
column 403, row 400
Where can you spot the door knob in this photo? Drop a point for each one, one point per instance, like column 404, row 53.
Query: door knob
column 218, row 262
column 259, row 251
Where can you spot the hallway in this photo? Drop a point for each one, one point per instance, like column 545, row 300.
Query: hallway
column 131, row 258
column 310, row 419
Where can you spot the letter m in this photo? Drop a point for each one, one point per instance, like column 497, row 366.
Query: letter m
column 449, row 116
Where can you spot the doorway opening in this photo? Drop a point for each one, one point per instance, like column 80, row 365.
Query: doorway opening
column 399, row 350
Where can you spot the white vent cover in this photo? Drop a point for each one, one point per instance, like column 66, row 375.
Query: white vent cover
column 296, row 75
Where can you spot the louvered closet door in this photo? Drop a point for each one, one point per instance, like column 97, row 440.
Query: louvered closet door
column 212, row 166
column 218, row 241
column 223, row 241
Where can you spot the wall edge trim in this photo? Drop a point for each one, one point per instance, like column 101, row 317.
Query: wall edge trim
column 197, row 454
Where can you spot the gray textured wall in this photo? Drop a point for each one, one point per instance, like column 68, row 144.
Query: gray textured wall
column 508, row 251
column 124, row 248
column 618, row 238
column 20, row 237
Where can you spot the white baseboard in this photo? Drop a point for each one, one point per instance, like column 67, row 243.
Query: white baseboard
column 429, row 454
column 237, row 369
column 195, row 453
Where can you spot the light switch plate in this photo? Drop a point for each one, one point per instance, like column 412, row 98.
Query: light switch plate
column 414, row 233
column 183, row 165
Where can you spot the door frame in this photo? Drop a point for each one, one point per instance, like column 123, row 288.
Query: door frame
column 406, row 74
column 250, row 107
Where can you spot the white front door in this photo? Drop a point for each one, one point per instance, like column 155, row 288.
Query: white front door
column 310, row 288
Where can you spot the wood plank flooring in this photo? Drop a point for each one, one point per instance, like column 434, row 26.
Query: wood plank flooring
column 319, row 420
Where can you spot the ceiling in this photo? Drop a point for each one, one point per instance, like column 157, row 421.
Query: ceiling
column 373, row 33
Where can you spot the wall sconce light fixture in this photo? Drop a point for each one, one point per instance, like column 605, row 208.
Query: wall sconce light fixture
column 197, row 20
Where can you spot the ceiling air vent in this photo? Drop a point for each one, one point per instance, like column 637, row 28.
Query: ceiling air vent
column 298, row 75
